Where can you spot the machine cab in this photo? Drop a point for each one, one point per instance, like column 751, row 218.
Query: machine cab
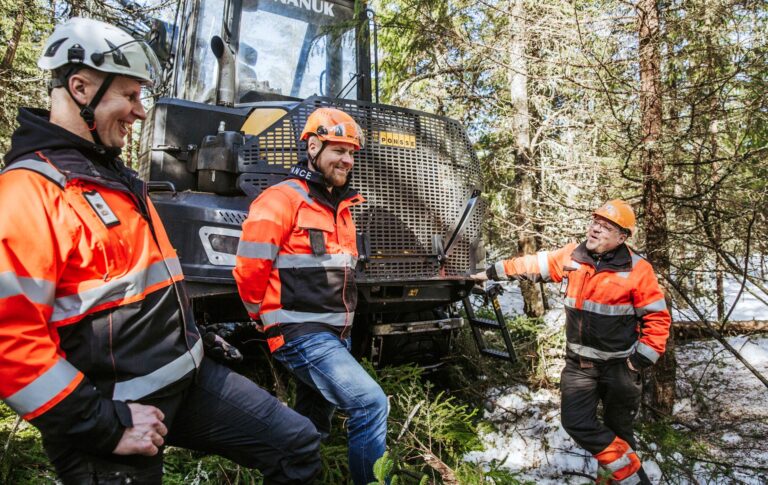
column 245, row 76
column 241, row 51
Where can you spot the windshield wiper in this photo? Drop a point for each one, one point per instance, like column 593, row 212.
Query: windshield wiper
column 344, row 90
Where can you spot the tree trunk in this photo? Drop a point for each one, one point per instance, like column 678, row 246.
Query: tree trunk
column 525, row 180
column 6, row 65
column 717, row 229
column 13, row 43
column 662, row 376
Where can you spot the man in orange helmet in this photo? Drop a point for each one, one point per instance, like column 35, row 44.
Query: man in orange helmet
column 295, row 271
column 617, row 323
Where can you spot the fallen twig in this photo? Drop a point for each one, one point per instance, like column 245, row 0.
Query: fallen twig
column 409, row 419
column 10, row 438
column 446, row 473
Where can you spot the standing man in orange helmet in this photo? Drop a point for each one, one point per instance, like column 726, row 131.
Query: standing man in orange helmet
column 295, row 271
column 617, row 323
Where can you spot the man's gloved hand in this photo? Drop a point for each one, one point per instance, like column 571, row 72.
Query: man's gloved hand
column 491, row 274
column 480, row 276
column 220, row 350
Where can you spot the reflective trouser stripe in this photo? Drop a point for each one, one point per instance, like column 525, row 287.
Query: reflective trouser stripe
column 312, row 261
column 633, row 479
column 36, row 290
column 171, row 372
column 47, row 386
column 132, row 284
column 255, row 250
column 591, row 353
column 618, row 464
column 288, row 316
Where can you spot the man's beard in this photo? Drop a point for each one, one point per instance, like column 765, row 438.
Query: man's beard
column 334, row 178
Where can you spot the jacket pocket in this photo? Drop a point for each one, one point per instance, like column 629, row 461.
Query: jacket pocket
column 108, row 254
column 316, row 229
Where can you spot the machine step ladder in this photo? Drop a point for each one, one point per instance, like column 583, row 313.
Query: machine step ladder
column 490, row 295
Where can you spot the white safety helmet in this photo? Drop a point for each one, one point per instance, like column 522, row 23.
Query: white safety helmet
column 81, row 42
column 100, row 46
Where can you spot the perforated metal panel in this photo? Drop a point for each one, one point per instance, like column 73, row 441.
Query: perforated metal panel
column 233, row 217
column 412, row 192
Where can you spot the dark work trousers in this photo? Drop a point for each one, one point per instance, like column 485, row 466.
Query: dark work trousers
column 581, row 388
column 223, row 413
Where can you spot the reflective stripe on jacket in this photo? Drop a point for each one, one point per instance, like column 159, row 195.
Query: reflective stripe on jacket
column 92, row 308
column 614, row 309
column 296, row 259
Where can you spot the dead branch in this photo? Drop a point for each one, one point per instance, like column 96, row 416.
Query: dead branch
column 712, row 331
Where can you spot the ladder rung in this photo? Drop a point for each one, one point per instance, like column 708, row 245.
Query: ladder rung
column 496, row 353
column 485, row 322
column 499, row 325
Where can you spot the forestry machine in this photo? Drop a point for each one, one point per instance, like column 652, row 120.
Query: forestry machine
column 241, row 78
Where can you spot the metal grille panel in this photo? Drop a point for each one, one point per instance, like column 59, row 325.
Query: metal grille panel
column 412, row 194
column 233, row 217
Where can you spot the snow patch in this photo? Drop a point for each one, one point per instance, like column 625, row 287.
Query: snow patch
column 529, row 438
column 714, row 391
column 756, row 355
column 682, row 406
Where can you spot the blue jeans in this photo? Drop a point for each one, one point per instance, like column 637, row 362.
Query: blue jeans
column 329, row 377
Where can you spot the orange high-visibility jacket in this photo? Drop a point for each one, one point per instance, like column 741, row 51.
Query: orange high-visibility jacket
column 93, row 313
column 296, row 259
column 614, row 309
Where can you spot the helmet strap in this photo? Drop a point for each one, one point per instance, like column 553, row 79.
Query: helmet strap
column 88, row 111
column 312, row 159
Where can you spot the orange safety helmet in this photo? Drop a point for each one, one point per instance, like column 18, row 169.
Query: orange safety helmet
column 331, row 124
column 618, row 212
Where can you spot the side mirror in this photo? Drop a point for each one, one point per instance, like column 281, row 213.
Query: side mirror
column 159, row 38
column 225, row 85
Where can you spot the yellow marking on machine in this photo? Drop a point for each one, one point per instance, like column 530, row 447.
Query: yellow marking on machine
column 392, row 139
column 260, row 119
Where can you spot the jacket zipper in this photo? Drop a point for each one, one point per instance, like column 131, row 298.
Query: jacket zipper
column 344, row 288
column 144, row 210
column 580, row 305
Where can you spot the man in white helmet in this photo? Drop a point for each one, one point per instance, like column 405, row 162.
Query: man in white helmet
column 98, row 346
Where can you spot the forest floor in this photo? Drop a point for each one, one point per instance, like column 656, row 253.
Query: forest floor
column 716, row 435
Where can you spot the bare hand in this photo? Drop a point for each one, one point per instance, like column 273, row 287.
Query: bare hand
column 146, row 435
column 481, row 276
